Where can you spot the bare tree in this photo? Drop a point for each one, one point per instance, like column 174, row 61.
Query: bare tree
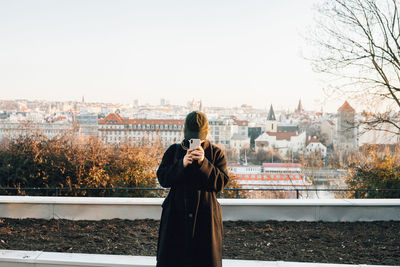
column 358, row 42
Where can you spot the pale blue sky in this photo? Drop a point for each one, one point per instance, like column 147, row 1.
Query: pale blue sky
column 226, row 53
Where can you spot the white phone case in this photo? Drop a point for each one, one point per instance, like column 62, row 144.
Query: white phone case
column 193, row 143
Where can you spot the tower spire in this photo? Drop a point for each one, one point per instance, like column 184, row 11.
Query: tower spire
column 271, row 114
column 299, row 107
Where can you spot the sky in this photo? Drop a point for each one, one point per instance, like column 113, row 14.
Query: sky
column 225, row 53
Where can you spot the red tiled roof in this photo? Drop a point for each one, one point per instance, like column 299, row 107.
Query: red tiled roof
column 346, row 107
column 282, row 165
column 282, row 135
column 276, row 177
column 112, row 118
column 314, row 140
column 156, row 122
column 241, row 122
column 116, row 118
column 59, row 118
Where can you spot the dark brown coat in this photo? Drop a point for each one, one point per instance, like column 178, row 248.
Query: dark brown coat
column 205, row 181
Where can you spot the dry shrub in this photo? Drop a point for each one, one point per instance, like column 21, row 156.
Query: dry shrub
column 232, row 184
column 74, row 164
column 375, row 167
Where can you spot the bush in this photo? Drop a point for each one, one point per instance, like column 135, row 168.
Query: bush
column 232, row 183
column 70, row 163
column 81, row 167
column 376, row 167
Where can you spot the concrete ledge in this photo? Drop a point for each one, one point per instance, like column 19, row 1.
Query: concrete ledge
column 96, row 208
column 14, row 258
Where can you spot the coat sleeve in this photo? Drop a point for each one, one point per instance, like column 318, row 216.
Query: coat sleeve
column 215, row 176
column 170, row 172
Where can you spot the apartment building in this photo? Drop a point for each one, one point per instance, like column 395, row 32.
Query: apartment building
column 14, row 127
column 222, row 130
column 114, row 129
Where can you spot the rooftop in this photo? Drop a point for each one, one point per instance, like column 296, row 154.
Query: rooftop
column 114, row 118
column 346, row 107
column 282, row 135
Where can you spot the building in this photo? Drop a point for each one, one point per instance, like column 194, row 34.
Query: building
column 239, row 142
column 384, row 135
column 243, row 127
column 328, row 131
column 222, row 130
column 88, row 123
column 316, row 147
column 299, row 109
column 115, row 129
column 285, row 143
column 283, row 127
column 271, row 176
column 271, row 124
column 254, row 133
column 346, row 128
column 17, row 126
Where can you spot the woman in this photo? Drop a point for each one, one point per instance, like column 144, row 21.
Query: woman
column 191, row 229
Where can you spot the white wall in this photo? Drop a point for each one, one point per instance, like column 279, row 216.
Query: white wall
column 85, row 208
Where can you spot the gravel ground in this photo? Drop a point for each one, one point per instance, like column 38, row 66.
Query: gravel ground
column 325, row 242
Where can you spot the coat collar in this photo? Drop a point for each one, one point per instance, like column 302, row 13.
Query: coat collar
column 205, row 144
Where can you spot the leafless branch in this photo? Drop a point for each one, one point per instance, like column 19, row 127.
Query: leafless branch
column 358, row 40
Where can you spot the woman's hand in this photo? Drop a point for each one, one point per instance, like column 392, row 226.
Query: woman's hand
column 198, row 154
column 187, row 159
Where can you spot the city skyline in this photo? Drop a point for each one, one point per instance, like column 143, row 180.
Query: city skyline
column 167, row 102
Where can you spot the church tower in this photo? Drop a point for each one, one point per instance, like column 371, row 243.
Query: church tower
column 272, row 124
column 299, row 108
column 346, row 128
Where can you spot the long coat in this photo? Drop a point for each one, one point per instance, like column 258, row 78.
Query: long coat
column 205, row 233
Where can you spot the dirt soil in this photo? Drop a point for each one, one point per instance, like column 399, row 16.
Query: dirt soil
column 325, row 242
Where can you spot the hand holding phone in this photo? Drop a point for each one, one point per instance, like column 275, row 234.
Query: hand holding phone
column 187, row 159
column 193, row 143
column 195, row 152
column 198, row 152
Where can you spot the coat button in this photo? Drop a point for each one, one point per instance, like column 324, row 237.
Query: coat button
column 190, row 215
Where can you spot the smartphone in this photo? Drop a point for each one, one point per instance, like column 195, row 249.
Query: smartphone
column 193, row 143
